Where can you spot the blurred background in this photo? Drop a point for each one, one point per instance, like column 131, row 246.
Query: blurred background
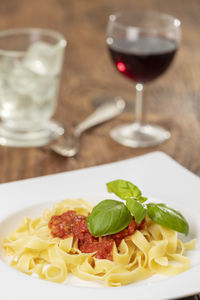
column 89, row 79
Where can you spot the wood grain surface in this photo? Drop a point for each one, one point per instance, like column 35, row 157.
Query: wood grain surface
column 89, row 79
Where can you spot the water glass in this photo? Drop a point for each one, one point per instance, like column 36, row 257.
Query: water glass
column 31, row 61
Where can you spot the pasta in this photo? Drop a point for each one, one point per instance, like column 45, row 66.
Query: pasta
column 151, row 250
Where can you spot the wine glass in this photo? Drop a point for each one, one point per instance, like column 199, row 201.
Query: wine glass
column 142, row 46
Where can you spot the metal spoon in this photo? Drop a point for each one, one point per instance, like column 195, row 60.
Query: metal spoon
column 69, row 146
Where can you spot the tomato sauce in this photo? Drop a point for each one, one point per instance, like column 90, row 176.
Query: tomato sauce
column 72, row 224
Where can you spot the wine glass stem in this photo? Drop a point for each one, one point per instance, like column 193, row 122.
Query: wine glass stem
column 139, row 104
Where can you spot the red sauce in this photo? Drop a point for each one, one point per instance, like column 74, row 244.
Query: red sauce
column 72, row 224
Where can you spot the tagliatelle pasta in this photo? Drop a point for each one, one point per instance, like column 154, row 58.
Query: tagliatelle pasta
column 151, row 250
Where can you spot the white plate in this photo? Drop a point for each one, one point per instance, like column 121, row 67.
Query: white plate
column 156, row 174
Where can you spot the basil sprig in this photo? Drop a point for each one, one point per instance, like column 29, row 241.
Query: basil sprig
column 112, row 216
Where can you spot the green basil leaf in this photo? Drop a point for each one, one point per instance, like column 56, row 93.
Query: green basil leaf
column 137, row 209
column 108, row 217
column 167, row 217
column 125, row 190
column 142, row 199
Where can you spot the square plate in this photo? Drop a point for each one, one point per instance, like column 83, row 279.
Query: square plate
column 157, row 175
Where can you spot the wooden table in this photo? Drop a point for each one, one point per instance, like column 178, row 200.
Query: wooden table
column 89, row 78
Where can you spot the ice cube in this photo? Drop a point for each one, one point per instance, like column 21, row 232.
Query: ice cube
column 44, row 58
column 46, row 91
column 6, row 66
column 22, row 80
column 8, row 101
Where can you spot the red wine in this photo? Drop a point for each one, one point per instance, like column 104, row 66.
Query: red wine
column 143, row 59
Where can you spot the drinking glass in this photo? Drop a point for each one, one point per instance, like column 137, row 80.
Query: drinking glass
column 31, row 60
column 142, row 46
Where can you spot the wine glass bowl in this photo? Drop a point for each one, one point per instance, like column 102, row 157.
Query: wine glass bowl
column 142, row 47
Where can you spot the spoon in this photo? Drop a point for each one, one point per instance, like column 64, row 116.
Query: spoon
column 69, row 146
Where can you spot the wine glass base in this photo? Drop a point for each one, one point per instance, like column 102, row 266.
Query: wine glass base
column 17, row 138
column 136, row 135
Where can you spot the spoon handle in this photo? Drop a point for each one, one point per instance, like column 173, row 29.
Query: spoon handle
column 103, row 113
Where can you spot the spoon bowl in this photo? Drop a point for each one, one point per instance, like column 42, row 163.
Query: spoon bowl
column 69, row 146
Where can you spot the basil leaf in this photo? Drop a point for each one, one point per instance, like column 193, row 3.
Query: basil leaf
column 167, row 217
column 137, row 209
column 108, row 217
column 142, row 199
column 125, row 190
